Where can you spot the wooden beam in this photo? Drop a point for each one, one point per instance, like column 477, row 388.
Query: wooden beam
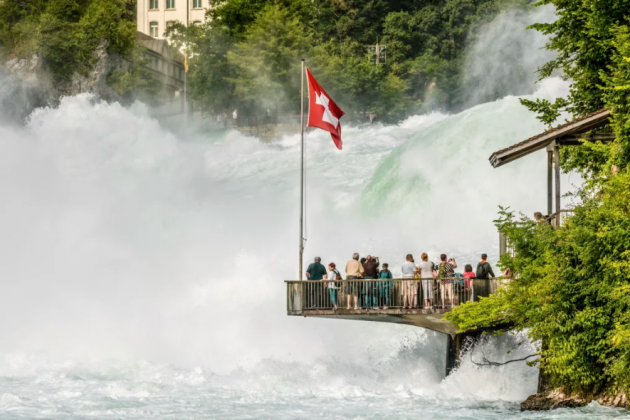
column 556, row 155
column 576, row 140
column 540, row 142
column 589, row 137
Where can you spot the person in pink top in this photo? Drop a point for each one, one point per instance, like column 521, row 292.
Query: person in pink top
column 468, row 274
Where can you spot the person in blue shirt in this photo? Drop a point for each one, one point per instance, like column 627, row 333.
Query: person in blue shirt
column 385, row 287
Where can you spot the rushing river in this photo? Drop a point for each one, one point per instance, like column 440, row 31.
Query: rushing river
column 142, row 270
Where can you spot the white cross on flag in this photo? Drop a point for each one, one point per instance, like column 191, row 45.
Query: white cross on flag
column 323, row 112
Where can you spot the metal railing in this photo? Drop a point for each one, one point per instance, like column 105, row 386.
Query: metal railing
column 430, row 294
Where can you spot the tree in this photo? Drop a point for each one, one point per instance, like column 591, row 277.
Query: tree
column 267, row 60
column 572, row 288
column 66, row 32
column 260, row 43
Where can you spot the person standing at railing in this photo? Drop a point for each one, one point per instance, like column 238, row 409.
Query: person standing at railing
column 333, row 286
column 354, row 271
column 369, row 288
column 446, row 272
column 315, row 271
column 426, row 274
column 409, row 271
column 386, row 286
column 468, row 276
column 484, row 269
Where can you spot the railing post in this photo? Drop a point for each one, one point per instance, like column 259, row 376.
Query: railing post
column 502, row 244
column 556, row 157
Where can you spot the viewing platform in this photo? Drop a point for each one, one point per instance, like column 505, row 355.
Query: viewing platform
column 381, row 300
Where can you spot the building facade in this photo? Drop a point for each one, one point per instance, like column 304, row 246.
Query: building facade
column 153, row 15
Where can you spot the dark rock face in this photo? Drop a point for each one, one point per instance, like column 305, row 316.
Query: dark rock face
column 543, row 402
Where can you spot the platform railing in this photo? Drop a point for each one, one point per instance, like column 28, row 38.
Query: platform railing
column 383, row 294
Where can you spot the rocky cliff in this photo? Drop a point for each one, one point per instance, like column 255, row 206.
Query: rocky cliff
column 25, row 84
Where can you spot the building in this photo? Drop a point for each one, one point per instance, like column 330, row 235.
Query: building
column 163, row 60
column 167, row 63
column 153, row 15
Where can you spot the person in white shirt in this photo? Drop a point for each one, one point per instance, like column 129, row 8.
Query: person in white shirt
column 427, row 273
column 333, row 286
column 409, row 271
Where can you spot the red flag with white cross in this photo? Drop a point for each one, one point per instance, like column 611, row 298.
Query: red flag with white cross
column 323, row 112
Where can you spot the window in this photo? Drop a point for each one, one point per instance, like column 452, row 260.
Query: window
column 197, row 4
column 154, row 30
column 154, row 4
column 170, row 4
column 196, row 22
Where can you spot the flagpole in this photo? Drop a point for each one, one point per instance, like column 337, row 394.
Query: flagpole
column 302, row 175
column 186, row 92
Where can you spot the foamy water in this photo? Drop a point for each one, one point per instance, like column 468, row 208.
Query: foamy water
column 142, row 271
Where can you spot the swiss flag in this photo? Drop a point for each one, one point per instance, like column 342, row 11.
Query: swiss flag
column 323, row 112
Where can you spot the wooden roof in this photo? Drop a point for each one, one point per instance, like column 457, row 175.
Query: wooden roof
column 565, row 134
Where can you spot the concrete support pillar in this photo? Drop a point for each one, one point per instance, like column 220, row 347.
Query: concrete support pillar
column 549, row 182
column 452, row 354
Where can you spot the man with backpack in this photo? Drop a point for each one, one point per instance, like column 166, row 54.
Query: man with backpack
column 484, row 269
column 446, row 272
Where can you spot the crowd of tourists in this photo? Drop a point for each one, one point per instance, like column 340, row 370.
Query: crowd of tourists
column 420, row 279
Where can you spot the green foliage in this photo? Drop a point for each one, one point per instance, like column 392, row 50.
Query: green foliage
column 572, row 284
column 591, row 40
column 548, row 112
column 582, row 37
column 267, row 60
column 571, row 290
column 616, row 93
column 66, row 32
column 256, row 45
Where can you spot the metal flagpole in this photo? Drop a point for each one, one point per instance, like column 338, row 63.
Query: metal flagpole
column 302, row 177
column 186, row 91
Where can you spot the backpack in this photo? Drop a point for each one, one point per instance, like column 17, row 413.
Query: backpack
column 442, row 271
column 482, row 271
column 338, row 274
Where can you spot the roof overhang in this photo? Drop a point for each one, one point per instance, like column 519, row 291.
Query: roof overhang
column 568, row 134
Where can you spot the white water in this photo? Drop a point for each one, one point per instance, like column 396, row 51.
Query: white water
column 141, row 272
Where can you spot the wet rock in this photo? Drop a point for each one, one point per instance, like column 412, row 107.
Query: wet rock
column 558, row 399
column 543, row 402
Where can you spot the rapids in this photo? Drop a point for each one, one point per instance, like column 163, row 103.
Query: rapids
column 141, row 268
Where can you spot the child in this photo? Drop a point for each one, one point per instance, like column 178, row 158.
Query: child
column 468, row 274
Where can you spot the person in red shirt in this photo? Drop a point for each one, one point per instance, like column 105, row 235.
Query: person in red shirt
column 468, row 275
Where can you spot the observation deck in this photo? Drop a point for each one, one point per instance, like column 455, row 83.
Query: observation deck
column 381, row 300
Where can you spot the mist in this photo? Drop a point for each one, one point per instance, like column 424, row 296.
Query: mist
column 504, row 56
